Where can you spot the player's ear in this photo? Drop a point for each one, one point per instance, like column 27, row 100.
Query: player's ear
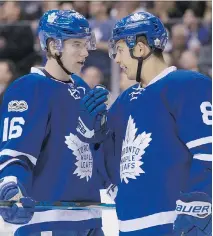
column 140, row 49
column 53, row 47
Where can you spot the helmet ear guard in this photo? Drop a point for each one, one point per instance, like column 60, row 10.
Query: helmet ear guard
column 56, row 44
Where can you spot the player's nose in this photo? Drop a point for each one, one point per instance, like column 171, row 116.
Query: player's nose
column 117, row 58
column 84, row 52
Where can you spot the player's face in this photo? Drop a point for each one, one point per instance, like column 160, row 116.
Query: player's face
column 74, row 54
column 124, row 59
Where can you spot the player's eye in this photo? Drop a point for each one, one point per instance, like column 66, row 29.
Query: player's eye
column 119, row 50
column 80, row 45
column 77, row 45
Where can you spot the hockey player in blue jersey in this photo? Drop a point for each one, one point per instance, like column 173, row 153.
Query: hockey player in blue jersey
column 41, row 158
column 158, row 136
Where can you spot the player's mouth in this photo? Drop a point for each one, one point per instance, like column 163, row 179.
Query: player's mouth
column 81, row 62
column 124, row 68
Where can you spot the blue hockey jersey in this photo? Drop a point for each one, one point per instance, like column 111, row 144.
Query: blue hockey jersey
column 40, row 147
column 162, row 145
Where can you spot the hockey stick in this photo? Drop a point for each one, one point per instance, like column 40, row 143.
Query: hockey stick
column 62, row 205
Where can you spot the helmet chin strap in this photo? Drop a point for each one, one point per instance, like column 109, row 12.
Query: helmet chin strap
column 58, row 59
column 140, row 62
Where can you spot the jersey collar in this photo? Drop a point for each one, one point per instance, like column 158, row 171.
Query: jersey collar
column 40, row 72
column 37, row 71
column 164, row 73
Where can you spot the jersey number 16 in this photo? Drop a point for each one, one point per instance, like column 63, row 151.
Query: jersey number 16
column 12, row 129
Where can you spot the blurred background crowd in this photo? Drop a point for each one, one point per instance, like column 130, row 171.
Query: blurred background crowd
column 189, row 25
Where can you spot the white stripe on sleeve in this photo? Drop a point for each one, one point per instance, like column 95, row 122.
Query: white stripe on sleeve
column 161, row 218
column 3, row 165
column 199, row 142
column 57, row 215
column 14, row 153
column 203, row 157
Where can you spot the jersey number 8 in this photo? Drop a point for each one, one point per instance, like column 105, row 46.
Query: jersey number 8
column 206, row 109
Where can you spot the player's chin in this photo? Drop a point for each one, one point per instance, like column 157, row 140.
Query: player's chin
column 128, row 73
column 80, row 64
column 78, row 67
column 131, row 76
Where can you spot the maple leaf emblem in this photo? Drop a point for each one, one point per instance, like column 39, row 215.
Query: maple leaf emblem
column 84, row 160
column 157, row 42
column 133, row 148
column 137, row 17
column 77, row 15
column 51, row 17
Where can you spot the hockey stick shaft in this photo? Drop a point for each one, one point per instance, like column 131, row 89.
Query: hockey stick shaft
column 62, row 205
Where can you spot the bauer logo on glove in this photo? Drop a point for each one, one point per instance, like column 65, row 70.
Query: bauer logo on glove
column 197, row 209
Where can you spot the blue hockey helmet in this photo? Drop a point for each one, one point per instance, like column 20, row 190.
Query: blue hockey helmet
column 134, row 25
column 138, row 24
column 64, row 24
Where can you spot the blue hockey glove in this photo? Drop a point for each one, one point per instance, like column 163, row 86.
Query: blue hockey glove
column 11, row 189
column 92, row 120
column 194, row 215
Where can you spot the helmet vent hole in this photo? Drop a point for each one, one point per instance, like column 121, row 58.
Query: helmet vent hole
column 67, row 31
column 156, row 26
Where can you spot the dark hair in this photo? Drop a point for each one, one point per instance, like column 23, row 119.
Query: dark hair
column 62, row 2
column 11, row 68
column 49, row 55
column 157, row 52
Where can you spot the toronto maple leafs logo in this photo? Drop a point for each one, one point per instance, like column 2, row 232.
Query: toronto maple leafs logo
column 157, row 42
column 84, row 160
column 133, row 149
column 51, row 18
column 79, row 16
column 137, row 17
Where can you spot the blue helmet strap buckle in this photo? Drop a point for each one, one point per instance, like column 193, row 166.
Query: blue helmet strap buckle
column 140, row 62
